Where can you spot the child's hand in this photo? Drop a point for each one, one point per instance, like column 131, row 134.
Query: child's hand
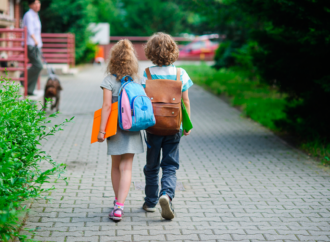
column 100, row 137
column 186, row 133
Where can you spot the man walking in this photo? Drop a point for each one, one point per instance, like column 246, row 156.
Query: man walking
column 31, row 20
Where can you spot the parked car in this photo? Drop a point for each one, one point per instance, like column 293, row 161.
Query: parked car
column 201, row 47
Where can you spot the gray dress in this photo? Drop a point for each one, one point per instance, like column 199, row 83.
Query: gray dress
column 124, row 141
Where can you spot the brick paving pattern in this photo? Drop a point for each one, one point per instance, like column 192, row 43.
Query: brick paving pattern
column 241, row 183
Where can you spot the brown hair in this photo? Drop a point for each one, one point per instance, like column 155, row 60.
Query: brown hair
column 161, row 49
column 31, row 2
column 123, row 60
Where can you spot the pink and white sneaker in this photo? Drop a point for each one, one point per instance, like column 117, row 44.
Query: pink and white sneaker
column 117, row 213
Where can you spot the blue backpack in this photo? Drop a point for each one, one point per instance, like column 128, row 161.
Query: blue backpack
column 135, row 108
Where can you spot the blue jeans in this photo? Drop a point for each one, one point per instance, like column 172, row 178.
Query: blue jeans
column 169, row 164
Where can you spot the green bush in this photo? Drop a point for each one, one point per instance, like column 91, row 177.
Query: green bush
column 293, row 55
column 68, row 16
column 257, row 100
column 22, row 127
column 223, row 55
column 89, row 53
column 240, row 58
column 244, row 59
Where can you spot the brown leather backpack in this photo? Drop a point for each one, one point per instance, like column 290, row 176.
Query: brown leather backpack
column 165, row 96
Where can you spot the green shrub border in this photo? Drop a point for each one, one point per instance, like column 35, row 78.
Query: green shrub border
column 23, row 126
column 257, row 100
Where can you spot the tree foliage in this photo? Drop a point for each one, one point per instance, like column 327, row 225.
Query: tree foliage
column 228, row 19
column 293, row 55
column 126, row 18
column 71, row 16
column 221, row 17
column 143, row 18
column 284, row 41
column 108, row 11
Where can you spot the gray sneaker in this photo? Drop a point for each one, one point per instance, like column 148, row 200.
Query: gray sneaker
column 166, row 204
column 148, row 209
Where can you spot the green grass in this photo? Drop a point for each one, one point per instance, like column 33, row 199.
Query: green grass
column 319, row 149
column 257, row 101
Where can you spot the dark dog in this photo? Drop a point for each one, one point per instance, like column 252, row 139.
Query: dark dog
column 52, row 90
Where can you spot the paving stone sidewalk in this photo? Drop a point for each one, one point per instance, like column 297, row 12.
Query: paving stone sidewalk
column 241, row 183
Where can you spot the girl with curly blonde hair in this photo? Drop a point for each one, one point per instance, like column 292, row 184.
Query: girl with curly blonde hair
column 124, row 144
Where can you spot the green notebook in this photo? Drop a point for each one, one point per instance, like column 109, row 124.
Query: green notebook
column 186, row 122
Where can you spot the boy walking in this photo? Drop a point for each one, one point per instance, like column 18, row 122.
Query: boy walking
column 163, row 52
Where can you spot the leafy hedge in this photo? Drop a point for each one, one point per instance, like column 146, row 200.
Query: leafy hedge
column 22, row 127
column 257, row 100
column 229, row 55
column 293, row 55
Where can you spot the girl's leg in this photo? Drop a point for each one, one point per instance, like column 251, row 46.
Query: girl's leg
column 125, row 168
column 115, row 173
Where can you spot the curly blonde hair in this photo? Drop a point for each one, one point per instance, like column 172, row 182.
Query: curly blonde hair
column 161, row 49
column 123, row 60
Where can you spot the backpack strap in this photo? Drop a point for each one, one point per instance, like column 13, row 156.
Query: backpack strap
column 148, row 74
column 178, row 73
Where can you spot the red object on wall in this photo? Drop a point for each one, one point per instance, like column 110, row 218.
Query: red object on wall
column 99, row 55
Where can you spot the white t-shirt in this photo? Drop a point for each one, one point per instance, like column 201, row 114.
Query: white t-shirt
column 168, row 72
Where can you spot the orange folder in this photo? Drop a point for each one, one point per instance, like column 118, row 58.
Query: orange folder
column 111, row 128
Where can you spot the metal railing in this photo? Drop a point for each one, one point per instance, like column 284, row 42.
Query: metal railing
column 59, row 48
column 15, row 52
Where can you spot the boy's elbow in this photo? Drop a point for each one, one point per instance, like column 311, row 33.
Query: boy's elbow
column 185, row 98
